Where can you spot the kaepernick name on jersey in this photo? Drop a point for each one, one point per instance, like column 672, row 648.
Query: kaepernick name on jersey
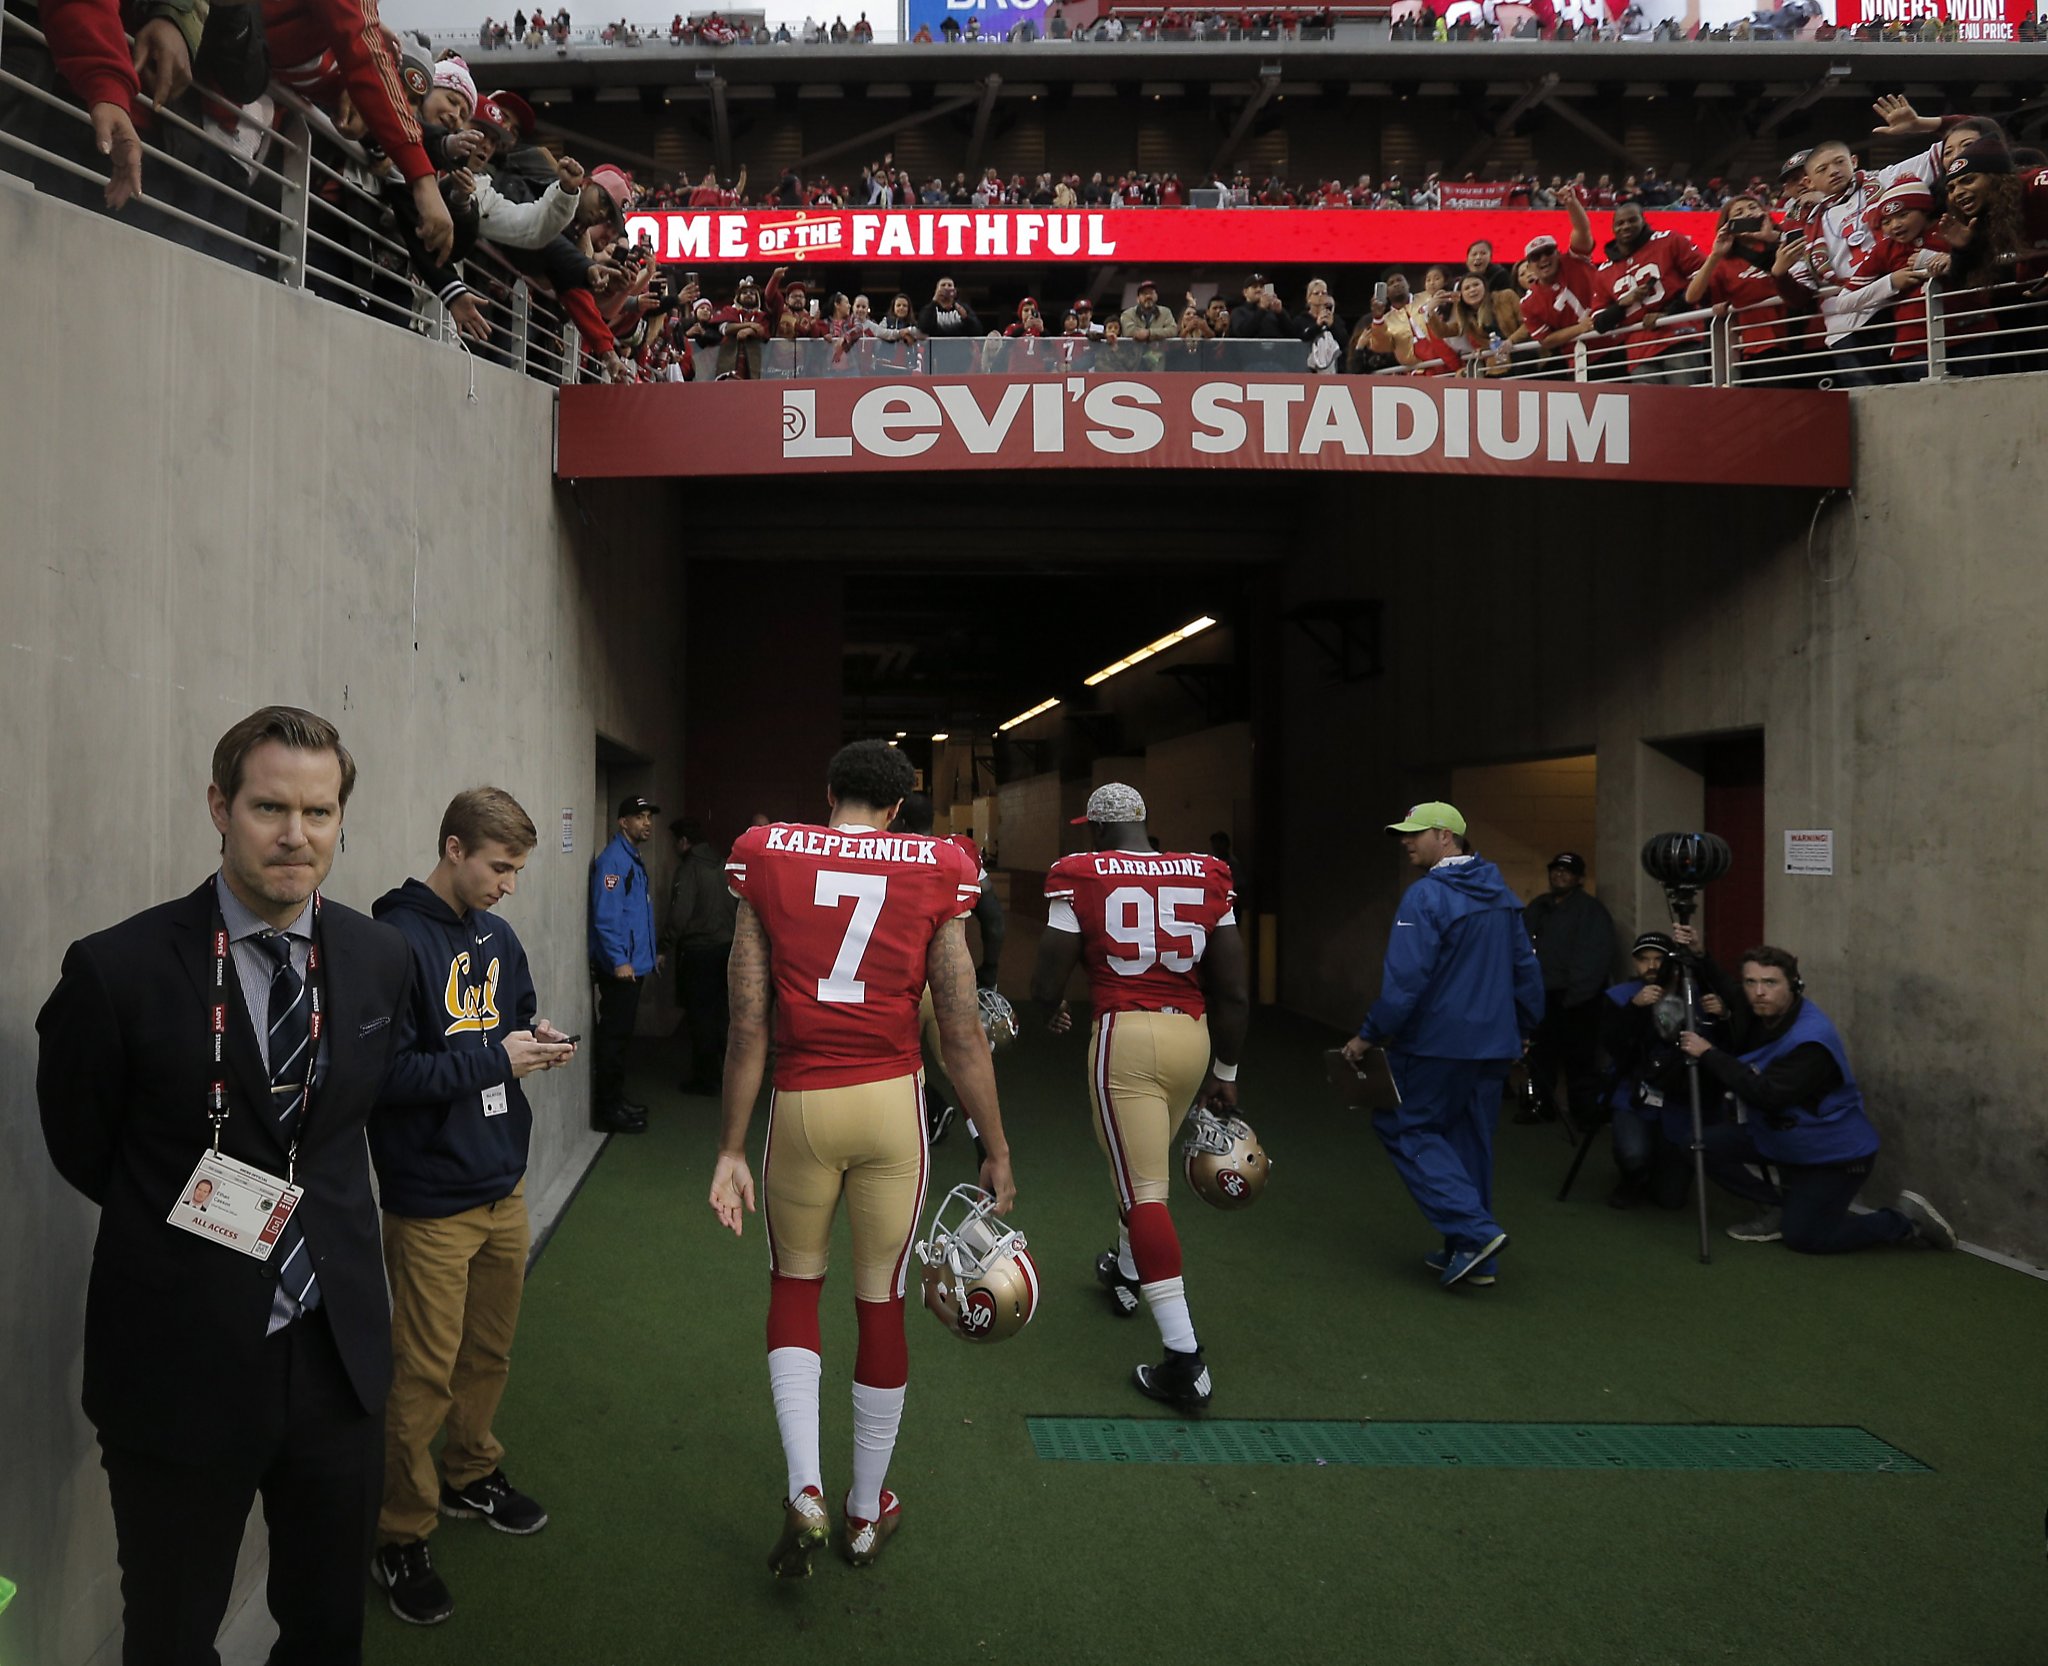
column 871, row 847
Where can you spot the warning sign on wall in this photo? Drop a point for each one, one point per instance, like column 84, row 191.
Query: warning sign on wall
column 1810, row 850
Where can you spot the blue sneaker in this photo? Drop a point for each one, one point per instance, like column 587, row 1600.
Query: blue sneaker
column 1465, row 1263
column 1480, row 1277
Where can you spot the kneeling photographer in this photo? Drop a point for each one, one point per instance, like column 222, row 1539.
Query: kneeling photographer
column 1639, row 1028
column 1802, row 1145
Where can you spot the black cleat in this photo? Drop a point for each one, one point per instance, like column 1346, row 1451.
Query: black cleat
column 618, row 1122
column 938, row 1121
column 1179, row 1379
column 1123, row 1292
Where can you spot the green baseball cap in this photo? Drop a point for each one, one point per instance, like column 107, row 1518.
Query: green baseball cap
column 1424, row 817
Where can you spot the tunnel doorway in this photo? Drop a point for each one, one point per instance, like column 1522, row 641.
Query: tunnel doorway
column 1520, row 815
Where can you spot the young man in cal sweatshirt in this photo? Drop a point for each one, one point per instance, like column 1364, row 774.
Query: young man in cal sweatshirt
column 449, row 1140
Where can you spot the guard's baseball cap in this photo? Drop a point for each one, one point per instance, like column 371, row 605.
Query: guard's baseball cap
column 634, row 805
column 1112, row 802
column 1571, row 861
column 1422, row 818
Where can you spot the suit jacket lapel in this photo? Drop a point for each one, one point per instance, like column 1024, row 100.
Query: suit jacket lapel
column 244, row 1059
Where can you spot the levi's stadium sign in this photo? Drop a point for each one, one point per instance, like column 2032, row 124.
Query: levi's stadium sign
column 1161, row 236
column 1570, row 431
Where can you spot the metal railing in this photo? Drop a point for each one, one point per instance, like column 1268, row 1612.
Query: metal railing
column 1965, row 332
column 273, row 186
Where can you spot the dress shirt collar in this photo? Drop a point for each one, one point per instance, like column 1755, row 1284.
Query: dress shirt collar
column 242, row 924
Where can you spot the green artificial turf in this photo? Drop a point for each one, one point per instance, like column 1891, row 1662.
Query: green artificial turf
column 638, row 1412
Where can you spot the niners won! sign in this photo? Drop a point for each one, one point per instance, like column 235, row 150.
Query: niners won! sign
column 1735, row 436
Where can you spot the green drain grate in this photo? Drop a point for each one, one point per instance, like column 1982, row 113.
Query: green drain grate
column 1138, row 1440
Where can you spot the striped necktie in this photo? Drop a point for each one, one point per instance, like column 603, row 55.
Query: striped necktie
column 291, row 1064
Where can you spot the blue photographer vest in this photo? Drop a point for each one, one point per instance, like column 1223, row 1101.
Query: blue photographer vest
column 1835, row 1130
column 1622, row 1096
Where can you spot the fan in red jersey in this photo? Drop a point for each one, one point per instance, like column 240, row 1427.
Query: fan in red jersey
column 840, row 929
column 1652, row 269
column 1566, row 293
column 1166, row 975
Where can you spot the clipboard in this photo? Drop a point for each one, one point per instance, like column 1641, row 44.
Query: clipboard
column 1361, row 1087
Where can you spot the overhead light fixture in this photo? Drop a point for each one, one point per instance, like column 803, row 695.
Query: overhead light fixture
column 1026, row 717
column 943, row 734
column 1170, row 639
column 903, row 734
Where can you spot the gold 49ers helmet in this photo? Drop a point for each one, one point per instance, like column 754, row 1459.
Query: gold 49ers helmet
column 978, row 1276
column 1224, row 1160
column 998, row 1019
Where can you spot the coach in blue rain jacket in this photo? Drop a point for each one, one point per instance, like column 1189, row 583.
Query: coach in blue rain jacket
column 1460, row 992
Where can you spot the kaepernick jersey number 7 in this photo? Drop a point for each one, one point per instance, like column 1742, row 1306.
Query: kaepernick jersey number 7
column 849, row 914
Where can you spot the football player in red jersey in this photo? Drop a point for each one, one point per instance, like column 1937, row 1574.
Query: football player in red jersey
column 1158, row 935
column 917, row 816
column 839, row 931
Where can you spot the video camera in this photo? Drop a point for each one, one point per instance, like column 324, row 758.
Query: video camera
column 1682, row 863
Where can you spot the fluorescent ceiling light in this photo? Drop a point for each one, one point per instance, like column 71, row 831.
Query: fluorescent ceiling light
column 1026, row 717
column 1193, row 628
column 943, row 734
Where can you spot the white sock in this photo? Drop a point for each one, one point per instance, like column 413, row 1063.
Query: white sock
column 1169, row 1303
column 1126, row 1263
column 973, row 1133
column 793, row 1381
column 877, row 1414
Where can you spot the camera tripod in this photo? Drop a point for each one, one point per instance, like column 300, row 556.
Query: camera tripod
column 1682, row 863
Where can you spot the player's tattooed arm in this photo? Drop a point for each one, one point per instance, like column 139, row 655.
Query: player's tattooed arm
column 750, row 997
column 956, row 1003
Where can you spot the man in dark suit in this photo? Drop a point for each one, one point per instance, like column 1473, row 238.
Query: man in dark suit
column 253, row 1019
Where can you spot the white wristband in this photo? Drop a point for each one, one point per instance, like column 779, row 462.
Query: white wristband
column 1223, row 1072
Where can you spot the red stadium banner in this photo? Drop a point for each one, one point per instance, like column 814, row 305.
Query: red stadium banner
column 1455, row 196
column 1143, row 236
column 1974, row 19
column 1391, row 425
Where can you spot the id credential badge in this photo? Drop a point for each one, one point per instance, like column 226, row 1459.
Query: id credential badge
column 495, row 1102
column 236, row 1205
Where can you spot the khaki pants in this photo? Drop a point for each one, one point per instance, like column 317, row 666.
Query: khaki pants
column 455, row 1288
column 1144, row 1070
column 867, row 1142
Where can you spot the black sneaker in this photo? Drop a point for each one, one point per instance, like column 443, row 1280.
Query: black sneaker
column 938, row 1118
column 1179, row 1379
column 618, row 1122
column 1123, row 1292
column 417, row 1594
column 500, row 1503
column 632, row 1109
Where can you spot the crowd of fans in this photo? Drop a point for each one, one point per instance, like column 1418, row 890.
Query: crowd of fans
column 883, row 184
column 1825, row 278
column 1441, row 20
column 447, row 189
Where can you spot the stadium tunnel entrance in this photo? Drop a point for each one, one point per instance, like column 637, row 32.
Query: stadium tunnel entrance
column 1372, row 641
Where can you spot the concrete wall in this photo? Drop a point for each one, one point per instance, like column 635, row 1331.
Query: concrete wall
column 1894, row 667
column 241, row 496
